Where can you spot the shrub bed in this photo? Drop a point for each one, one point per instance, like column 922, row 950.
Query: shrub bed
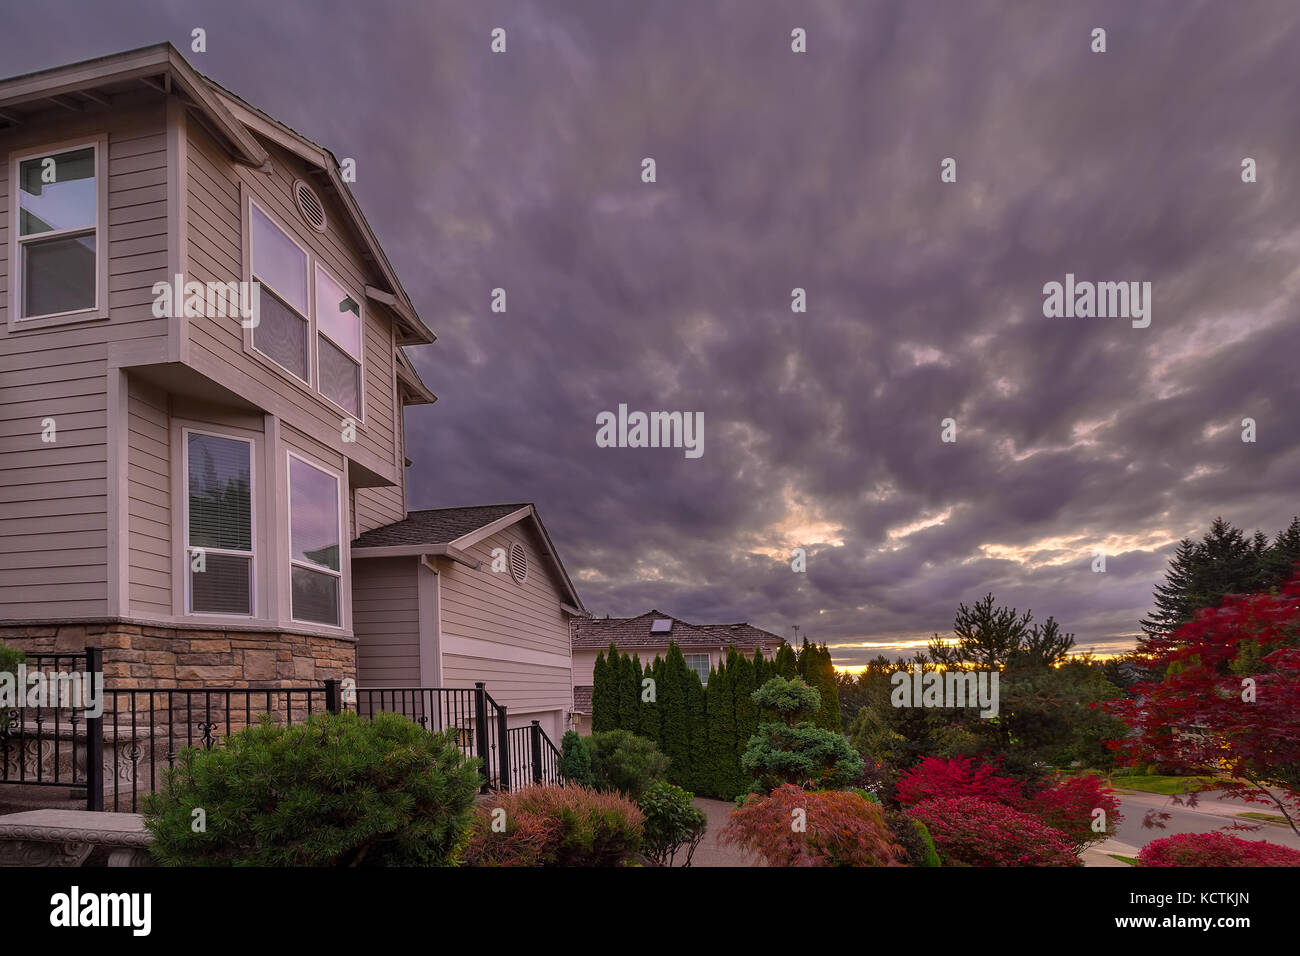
column 797, row 827
column 969, row 831
column 1215, row 849
column 555, row 826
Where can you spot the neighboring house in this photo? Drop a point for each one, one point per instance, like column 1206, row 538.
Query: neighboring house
column 457, row 595
column 648, row 636
column 182, row 486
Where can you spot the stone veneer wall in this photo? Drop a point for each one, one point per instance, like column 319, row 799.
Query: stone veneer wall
column 138, row 655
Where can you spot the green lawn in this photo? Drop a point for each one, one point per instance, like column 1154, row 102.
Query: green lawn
column 1130, row 860
column 1266, row 817
column 1168, row 786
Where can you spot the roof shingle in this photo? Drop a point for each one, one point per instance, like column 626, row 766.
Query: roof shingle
column 632, row 632
column 434, row 526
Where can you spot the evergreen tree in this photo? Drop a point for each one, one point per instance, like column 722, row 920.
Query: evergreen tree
column 625, row 693
column 1201, row 573
column 637, row 676
column 828, row 686
column 786, row 664
column 650, row 710
column 1284, row 554
column 603, row 711
column 675, row 715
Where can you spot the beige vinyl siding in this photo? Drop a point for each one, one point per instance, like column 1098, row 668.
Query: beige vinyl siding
column 54, row 520
column 524, row 621
column 149, row 501
column 490, row 606
column 215, row 189
column 376, row 507
column 386, row 622
column 519, row 687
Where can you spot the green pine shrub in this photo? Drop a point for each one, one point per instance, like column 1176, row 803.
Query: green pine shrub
column 575, row 759
column 336, row 790
column 623, row 762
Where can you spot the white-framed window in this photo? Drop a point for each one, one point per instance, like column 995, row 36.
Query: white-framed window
column 315, row 543
column 280, row 268
column 219, row 528
column 58, row 227
column 338, row 341
column 700, row 664
column 310, row 323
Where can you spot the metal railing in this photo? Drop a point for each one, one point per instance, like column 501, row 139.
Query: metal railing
column 123, row 754
column 45, row 745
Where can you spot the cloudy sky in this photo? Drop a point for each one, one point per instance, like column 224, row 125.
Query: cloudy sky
column 820, row 171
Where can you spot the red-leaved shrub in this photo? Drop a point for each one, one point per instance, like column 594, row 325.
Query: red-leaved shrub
column 797, row 827
column 935, row 777
column 973, row 832
column 1069, row 806
column 555, row 826
column 1215, row 849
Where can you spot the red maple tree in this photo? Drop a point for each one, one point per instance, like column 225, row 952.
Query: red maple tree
column 1228, row 702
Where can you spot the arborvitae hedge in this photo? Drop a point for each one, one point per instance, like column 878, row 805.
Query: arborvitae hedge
column 818, row 672
column 703, row 730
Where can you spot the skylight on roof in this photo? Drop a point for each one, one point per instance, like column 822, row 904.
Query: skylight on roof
column 661, row 625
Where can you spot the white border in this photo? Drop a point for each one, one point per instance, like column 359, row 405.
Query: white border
column 186, row 431
column 310, row 566
column 99, row 146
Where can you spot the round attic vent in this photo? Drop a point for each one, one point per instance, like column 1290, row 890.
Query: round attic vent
column 518, row 564
column 309, row 205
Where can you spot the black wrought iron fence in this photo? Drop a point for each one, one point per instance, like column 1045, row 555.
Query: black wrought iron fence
column 45, row 722
column 123, row 752
column 533, row 757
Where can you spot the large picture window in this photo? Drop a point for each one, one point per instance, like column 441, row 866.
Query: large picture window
column 57, row 244
column 315, row 546
column 280, row 268
column 219, row 524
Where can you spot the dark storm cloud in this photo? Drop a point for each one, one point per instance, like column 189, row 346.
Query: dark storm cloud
column 819, row 171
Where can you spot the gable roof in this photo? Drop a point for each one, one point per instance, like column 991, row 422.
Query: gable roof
column 633, row 632
column 449, row 531
column 92, row 84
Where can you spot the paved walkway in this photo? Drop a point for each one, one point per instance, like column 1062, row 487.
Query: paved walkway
column 710, row 852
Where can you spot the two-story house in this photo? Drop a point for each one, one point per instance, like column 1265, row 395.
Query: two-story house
column 202, row 399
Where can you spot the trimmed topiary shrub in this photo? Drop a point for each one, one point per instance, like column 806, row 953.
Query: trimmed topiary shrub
column 622, row 761
column 968, row 831
column 672, row 822
column 792, row 750
column 555, row 826
column 575, row 759
column 796, row 827
column 336, row 790
column 1215, row 849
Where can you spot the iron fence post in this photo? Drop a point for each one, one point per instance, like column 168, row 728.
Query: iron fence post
column 333, row 699
column 95, row 736
column 481, row 731
column 503, row 747
column 535, row 737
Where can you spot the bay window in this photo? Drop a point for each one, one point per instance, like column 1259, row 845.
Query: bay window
column 315, row 543
column 338, row 323
column 58, row 241
column 280, row 269
column 218, row 524
column 309, row 322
